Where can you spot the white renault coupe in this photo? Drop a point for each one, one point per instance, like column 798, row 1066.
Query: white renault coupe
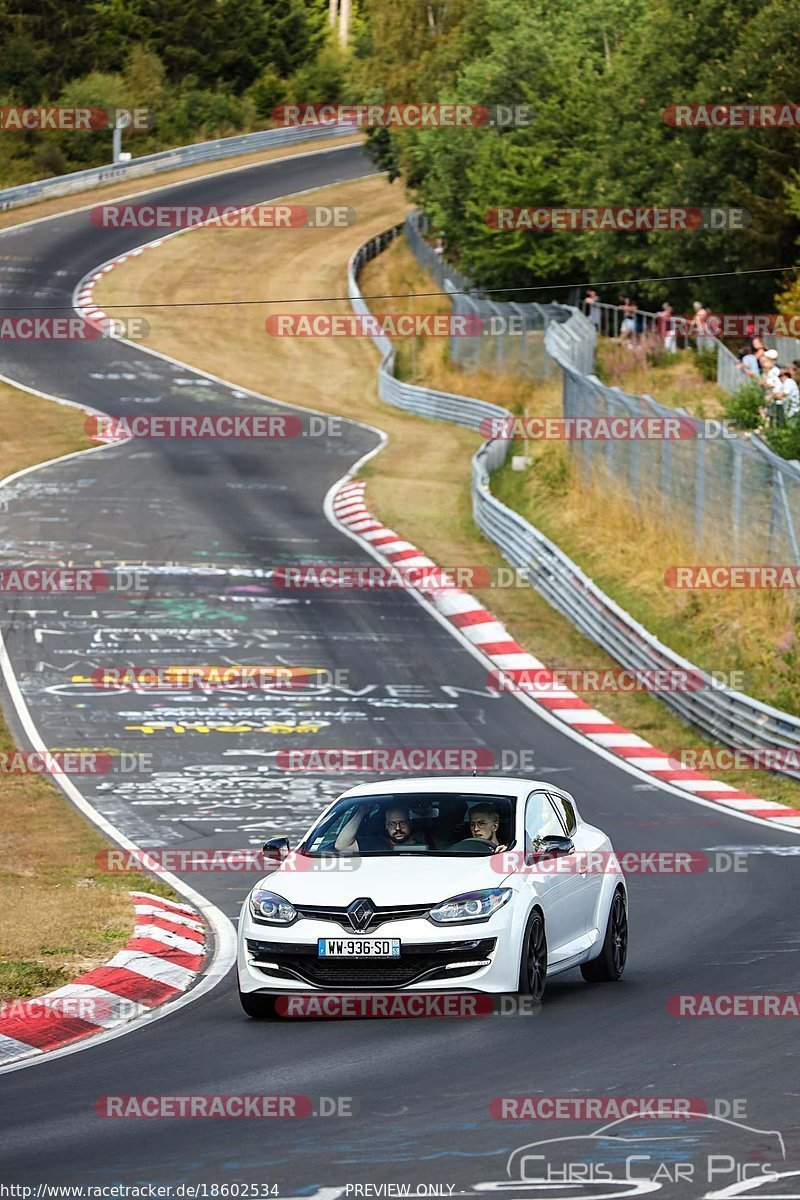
column 476, row 884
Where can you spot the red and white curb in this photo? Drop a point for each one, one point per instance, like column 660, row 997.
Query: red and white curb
column 86, row 307
column 487, row 634
column 162, row 960
column 84, row 300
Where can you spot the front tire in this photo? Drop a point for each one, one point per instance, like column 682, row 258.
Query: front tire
column 257, row 1006
column 610, row 963
column 533, row 963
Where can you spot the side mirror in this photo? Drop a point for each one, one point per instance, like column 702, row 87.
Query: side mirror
column 550, row 847
column 277, row 848
column 557, row 846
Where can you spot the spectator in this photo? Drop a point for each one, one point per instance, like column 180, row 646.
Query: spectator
column 790, row 392
column 700, row 322
column 591, row 306
column 623, row 304
column 770, row 372
column 748, row 364
column 627, row 330
column 639, row 320
column 665, row 327
column 438, row 246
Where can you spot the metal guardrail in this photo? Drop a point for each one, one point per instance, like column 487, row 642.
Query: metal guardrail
column 516, row 343
column 428, row 402
column 730, row 491
column 729, row 717
column 166, row 160
column 727, row 491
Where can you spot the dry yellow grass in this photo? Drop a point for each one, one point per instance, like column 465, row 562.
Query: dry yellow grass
column 627, row 552
column 420, row 483
column 33, row 429
column 60, row 915
column 676, row 383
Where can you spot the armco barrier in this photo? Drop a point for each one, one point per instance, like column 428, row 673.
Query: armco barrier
column 428, row 402
column 166, row 160
column 729, row 717
column 732, row 492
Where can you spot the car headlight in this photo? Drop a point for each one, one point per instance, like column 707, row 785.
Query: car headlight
column 267, row 906
column 471, row 906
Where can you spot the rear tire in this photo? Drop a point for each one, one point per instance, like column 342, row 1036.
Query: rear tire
column 257, row 1006
column 533, row 963
column 610, row 963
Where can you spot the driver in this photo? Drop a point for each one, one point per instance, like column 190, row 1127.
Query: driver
column 396, row 822
column 484, row 821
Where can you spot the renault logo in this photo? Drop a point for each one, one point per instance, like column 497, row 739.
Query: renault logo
column 360, row 913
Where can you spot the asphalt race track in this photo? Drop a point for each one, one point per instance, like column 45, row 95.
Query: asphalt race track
column 207, row 520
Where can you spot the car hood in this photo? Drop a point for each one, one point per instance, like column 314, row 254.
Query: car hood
column 388, row 879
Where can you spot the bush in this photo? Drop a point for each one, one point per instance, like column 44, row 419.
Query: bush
column 658, row 357
column 742, row 408
column 266, row 93
column 706, row 362
column 320, row 81
column 49, row 160
column 784, row 439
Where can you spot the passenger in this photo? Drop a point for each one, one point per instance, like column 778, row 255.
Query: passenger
column 399, row 832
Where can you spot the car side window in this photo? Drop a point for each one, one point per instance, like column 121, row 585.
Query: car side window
column 328, row 835
column 541, row 819
column 566, row 810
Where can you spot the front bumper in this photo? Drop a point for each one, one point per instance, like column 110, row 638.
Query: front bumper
column 482, row 957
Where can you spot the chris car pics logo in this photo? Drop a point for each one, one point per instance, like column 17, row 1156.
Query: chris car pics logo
column 679, row 1154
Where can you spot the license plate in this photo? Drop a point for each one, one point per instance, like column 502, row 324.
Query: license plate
column 358, row 947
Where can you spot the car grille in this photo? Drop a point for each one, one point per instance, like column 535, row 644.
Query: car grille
column 415, row 964
column 394, row 912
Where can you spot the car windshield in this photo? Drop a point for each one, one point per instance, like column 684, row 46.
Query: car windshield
column 435, row 823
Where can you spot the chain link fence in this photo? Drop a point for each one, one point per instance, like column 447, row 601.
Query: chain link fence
column 517, row 346
column 427, row 402
column 722, row 713
column 514, row 337
column 728, row 494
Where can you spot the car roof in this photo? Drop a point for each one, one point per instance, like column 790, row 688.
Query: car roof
column 479, row 785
